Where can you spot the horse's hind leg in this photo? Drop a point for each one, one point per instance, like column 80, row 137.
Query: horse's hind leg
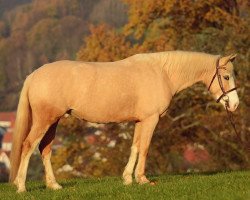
column 127, row 174
column 35, row 135
column 45, row 150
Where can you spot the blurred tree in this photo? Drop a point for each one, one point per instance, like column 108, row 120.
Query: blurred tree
column 111, row 12
column 103, row 44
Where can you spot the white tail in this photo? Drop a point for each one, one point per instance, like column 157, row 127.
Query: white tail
column 22, row 128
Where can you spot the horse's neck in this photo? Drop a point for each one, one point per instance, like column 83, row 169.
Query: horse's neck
column 185, row 70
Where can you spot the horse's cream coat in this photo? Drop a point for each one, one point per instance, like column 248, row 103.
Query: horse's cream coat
column 138, row 88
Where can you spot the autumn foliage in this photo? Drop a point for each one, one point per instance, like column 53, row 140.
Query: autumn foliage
column 104, row 44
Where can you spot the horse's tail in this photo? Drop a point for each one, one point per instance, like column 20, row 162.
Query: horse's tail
column 22, row 128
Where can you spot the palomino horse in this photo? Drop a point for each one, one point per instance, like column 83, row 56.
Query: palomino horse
column 138, row 88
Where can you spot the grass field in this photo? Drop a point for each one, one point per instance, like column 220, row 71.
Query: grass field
column 223, row 185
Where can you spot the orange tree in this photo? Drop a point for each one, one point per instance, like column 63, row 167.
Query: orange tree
column 213, row 26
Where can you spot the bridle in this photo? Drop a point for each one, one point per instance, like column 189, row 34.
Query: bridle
column 225, row 97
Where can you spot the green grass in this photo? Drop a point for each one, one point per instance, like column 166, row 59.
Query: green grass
column 223, row 185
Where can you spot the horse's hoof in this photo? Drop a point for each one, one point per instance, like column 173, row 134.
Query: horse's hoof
column 152, row 183
column 55, row 186
column 142, row 180
column 21, row 190
column 127, row 181
column 15, row 182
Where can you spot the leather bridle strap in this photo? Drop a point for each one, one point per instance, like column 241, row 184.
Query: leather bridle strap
column 224, row 93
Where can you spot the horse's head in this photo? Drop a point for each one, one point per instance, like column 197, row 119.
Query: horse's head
column 222, row 85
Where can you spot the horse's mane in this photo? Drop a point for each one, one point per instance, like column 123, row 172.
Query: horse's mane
column 187, row 63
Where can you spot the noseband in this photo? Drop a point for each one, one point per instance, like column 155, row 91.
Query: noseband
column 224, row 93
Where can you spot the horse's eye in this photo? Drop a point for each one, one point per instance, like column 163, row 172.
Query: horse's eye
column 226, row 77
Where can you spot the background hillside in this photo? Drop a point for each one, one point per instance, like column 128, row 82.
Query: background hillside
column 7, row 5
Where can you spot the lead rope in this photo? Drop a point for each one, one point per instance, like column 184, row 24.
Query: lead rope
column 232, row 122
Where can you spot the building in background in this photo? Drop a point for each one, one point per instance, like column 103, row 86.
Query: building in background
column 7, row 123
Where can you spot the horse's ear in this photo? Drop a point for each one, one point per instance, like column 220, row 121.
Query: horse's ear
column 224, row 60
column 232, row 57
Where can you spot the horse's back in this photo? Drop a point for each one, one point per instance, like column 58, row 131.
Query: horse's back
column 101, row 92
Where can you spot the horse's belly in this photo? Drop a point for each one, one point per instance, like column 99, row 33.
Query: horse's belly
column 104, row 111
column 104, row 117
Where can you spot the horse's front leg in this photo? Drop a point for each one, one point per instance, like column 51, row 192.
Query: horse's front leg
column 127, row 174
column 147, row 128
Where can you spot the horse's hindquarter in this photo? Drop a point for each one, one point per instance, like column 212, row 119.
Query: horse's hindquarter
column 101, row 92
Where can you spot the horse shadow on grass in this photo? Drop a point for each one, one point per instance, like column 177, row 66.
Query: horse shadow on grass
column 40, row 187
column 210, row 173
column 186, row 174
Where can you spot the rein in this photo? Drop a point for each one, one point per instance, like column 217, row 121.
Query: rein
column 232, row 122
column 225, row 97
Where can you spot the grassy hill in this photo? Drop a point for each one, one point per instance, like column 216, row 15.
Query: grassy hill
column 223, row 185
